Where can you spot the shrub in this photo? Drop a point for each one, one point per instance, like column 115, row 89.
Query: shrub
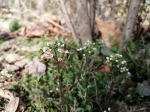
column 86, row 78
column 14, row 25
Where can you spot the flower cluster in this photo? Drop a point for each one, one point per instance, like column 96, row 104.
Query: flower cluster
column 109, row 109
column 88, row 43
column 117, row 61
column 53, row 48
column 4, row 73
column 88, row 48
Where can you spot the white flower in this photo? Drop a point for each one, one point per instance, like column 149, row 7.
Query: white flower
column 120, row 55
column 42, row 56
column 59, row 50
column 83, row 54
column 66, row 51
column 127, row 69
column 8, row 66
column 123, row 62
column 107, row 58
column 105, row 111
column 109, row 109
column 93, row 43
column 62, row 45
column 111, row 56
column 57, row 89
column 121, row 71
column 89, row 52
column 50, row 91
column 94, row 49
column 88, row 41
column 48, row 43
column 4, row 72
column 102, row 41
column 128, row 95
column 58, row 44
column 44, row 49
column 80, row 49
column 129, row 73
column 117, row 55
column 84, row 47
column 118, row 66
column 59, row 59
column 116, row 60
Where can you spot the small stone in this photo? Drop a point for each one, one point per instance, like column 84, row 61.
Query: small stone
column 21, row 63
column 11, row 58
column 12, row 68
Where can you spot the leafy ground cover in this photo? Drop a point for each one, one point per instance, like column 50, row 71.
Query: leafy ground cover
column 88, row 77
column 43, row 70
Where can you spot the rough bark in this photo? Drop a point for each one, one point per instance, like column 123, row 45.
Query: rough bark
column 92, row 14
column 132, row 14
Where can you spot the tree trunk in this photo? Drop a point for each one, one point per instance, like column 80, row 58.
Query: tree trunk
column 83, row 21
column 132, row 14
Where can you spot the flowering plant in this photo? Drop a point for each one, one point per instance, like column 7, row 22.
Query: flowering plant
column 76, row 79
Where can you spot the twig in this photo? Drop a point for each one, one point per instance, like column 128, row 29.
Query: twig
column 69, row 21
column 113, row 8
column 54, row 23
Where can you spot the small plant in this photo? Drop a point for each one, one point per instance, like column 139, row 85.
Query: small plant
column 1, row 41
column 14, row 25
column 76, row 79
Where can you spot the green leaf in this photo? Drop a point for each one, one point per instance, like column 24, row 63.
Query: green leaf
column 88, row 107
column 55, row 103
column 79, row 109
column 147, row 50
column 133, row 46
column 111, row 38
column 106, row 51
column 143, row 88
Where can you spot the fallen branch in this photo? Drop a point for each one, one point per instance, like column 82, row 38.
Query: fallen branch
column 57, row 25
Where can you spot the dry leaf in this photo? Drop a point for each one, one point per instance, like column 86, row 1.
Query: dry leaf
column 13, row 103
column 104, row 68
column 107, row 29
column 36, row 68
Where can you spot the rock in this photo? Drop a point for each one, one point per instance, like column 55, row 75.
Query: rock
column 1, row 58
column 12, row 68
column 7, row 45
column 36, row 68
column 11, row 58
column 21, row 63
column 1, row 85
column 31, row 49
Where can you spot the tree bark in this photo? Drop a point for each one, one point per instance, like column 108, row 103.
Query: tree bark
column 132, row 14
column 92, row 14
column 83, row 21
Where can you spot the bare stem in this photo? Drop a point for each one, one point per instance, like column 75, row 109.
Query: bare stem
column 69, row 21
